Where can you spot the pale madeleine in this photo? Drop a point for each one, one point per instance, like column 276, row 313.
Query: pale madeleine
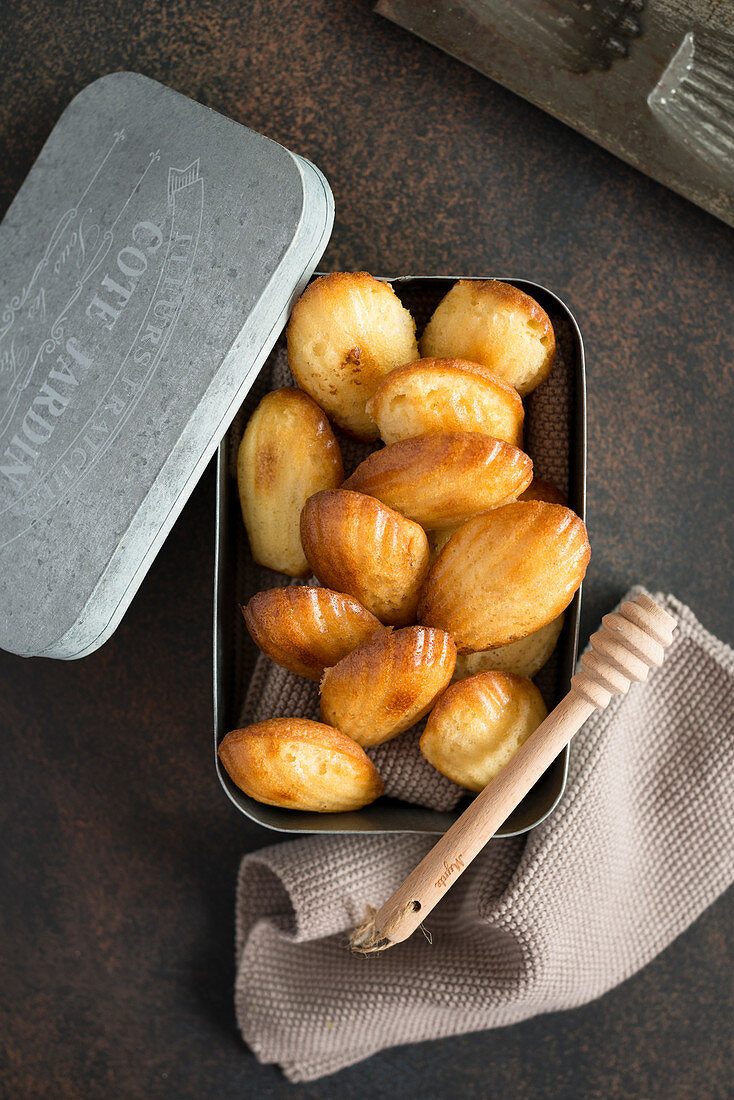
column 357, row 545
column 305, row 629
column 346, row 332
column 300, row 765
column 446, row 395
column 505, row 574
column 441, row 479
column 388, row 683
column 478, row 725
column 495, row 324
column 287, row 453
column 524, row 657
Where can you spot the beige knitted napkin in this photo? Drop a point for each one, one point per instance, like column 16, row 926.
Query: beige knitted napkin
column 639, row 846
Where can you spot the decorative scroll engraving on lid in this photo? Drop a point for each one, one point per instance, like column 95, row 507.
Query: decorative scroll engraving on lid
column 90, row 329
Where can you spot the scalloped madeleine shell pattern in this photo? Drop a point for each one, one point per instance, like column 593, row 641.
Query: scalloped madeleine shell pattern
column 505, row 574
column 300, row 765
column 288, row 452
column 446, row 395
column 306, row 629
column 387, row 684
column 356, row 545
column 441, row 479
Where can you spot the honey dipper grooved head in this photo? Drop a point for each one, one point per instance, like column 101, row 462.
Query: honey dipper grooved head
column 650, row 616
column 630, row 643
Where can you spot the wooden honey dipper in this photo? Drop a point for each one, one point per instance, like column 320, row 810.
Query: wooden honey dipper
column 631, row 642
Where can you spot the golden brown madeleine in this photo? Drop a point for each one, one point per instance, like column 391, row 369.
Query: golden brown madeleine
column 505, row 574
column 356, row 545
column 288, row 453
column 495, row 324
column 478, row 725
column 446, row 395
column 524, row 657
column 388, row 683
column 439, row 480
column 301, row 765
column 543, row 490
column 307, row 630
column 346, row 332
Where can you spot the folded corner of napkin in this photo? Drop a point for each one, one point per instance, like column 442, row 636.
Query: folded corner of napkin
column 630, row 857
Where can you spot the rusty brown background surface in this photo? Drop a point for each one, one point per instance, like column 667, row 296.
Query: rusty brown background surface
column 118, row 848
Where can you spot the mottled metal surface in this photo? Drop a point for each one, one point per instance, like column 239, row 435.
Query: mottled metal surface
column 595, row 63
column 149, row 262
column 118, row 852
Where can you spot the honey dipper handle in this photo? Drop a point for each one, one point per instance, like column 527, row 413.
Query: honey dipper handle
column 629, row 643
column 438, row 871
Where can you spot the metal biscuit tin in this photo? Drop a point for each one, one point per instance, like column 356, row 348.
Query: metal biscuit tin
column 149, row 263
column 235, row 653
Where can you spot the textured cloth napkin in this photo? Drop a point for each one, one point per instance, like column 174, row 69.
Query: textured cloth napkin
column 639, row 846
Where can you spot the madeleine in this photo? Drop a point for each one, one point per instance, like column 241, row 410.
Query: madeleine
column 440, row 480
column 505, row 574
column 543, row 490
column 287, row 453
column 478, row 725
column 356, row 545
column 307, row 630
column 387, row 684
column 446, row 395
column 346, row 332
column 300, row 765
column 497, row 325
column 524, row 657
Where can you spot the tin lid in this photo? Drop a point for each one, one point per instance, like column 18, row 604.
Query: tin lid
column 149, row 263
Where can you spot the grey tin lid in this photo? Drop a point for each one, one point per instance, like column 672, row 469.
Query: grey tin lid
column 149, row 263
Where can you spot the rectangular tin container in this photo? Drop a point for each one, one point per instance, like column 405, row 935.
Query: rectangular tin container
column 235, row 653
column 150, row 260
